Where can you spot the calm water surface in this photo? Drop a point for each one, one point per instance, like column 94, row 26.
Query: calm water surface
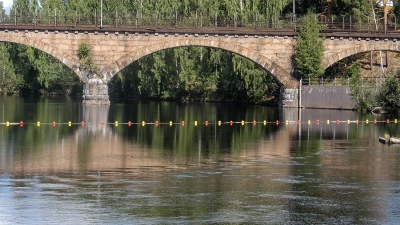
column 170, row 174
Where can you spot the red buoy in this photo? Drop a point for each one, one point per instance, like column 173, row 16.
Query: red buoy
column 83, row 124
column 53, row 124
column 129, row 123
column 206, row 123
column 156, row 123
column 21, row 123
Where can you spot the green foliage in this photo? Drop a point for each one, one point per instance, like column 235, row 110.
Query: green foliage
column 364, row 97
column 396, row 8
column 85, row 57
column 309, row 47
column 195, row 73
column 388, row 96
column 10, row 82
column 354, row 8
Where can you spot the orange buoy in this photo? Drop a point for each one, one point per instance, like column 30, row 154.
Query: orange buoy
column 387, row 121
column 53, row 124
column 298, row 121
column 356, row 121
column 183, row 123
column 102, row 123
column 21, row 123
column 277, row 122
column 206, row 123
column 375, row 121
column 230, row 123
column 254, row 122
column 156, row 123
column 317, row 121
column 83, row 124
column 337, row 121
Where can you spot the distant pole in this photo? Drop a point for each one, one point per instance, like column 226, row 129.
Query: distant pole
column 101, row 14
column 294, row 14
column 294, row 7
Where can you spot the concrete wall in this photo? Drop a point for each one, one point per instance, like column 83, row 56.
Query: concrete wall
column 326, row 97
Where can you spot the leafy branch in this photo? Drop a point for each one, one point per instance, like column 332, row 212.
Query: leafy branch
column 86, row 58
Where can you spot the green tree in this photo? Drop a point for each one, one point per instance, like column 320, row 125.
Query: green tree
column 354, row 8
column 10, row 82
column 272, row 9
column 309, row 48
column 364, row 97
column 388, row 96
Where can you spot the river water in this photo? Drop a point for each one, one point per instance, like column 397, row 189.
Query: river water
column 149, row 173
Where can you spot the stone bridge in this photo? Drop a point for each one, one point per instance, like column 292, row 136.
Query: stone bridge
column 115, row 48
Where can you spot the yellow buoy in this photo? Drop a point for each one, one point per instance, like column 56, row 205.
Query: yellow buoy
column 327, row 122
column 265, row 122
column 170, row 123
column 143, row 123
column 219, row 123
column 7, row 123
column 195, row 123
column 395, row 120
column 348, row 121
column 69, row 123
column 116, row 123
column 287, row 121
column 38, row 123
column 242, row 122
column 309, row 122
column 366, row 121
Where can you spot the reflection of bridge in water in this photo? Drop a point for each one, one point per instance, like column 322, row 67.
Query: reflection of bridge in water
column 96, row 147
column 309, row 127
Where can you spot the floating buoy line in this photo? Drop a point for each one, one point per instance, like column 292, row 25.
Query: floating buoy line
column 205, row 123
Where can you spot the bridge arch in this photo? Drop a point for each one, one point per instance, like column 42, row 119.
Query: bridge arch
column 280, row 74
column 334, row 52
column 67, row 59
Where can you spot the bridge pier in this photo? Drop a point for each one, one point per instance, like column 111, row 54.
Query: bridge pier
column 95, row 92
column 289, row 97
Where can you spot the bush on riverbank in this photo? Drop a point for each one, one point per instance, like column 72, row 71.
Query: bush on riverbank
column 385, row 94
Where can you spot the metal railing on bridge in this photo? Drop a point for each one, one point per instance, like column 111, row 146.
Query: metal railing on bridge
column 348, row 24
column 134, row 21
column 363, row 24
column 343, row 81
